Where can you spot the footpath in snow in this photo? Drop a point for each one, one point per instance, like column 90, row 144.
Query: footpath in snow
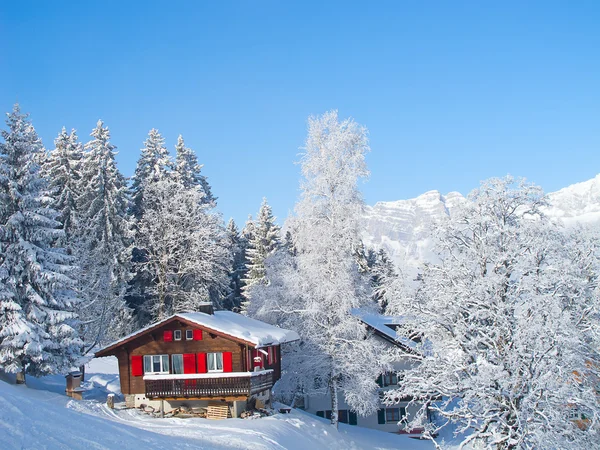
column 41, row 416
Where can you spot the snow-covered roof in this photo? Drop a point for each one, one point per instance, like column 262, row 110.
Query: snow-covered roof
column 385, row 325
column 252, row 331
column 259, row 333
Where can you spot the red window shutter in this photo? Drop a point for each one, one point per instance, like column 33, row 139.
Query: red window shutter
column 202, row 363
column 137, row 367
column 227, row 362
column 168, row 336
column 189, row 363
column 197, row 335
column 270, row 357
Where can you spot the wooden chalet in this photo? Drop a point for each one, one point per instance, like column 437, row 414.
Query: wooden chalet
column 200, row 357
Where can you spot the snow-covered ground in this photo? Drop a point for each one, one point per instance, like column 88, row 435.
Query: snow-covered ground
column 40, row 416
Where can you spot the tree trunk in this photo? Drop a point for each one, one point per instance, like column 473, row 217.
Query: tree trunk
column 82, row 370
column 334, row 402
column 21, row 377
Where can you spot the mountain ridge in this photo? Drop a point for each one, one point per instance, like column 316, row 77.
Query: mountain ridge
column 402, row 227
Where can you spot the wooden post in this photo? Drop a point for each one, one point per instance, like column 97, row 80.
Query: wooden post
column 110, row 401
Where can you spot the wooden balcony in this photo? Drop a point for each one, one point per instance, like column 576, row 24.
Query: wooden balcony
column 207, row 386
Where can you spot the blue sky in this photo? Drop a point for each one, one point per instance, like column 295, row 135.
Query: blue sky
column 452, row 92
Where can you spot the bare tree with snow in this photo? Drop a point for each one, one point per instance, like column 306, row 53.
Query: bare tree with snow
column 186, row 249
column 315, row 291
column 507, row 321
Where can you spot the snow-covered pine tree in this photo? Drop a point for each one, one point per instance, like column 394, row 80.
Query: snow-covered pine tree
column 187, row 171
column 186, row 255
column 37, row 334
column 263, row 241
column 62, row 169
column 506, row 319
column 105, row 236
column 235, row 298
column 382, row 270
column 315, row 291
column 153, row 165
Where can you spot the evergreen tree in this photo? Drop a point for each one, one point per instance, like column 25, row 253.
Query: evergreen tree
column 234, row 301
column 153, row 165
column 36, row 297
column 62, row 169
column 263, row 242
column 106, row 243
column 187, row 171
column 382, row 271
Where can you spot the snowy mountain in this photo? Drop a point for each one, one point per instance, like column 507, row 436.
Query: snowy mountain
column 578, row 203
column 402, row 226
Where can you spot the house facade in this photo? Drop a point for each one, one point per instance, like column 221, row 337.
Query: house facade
column 387, row 417
column 198, row 359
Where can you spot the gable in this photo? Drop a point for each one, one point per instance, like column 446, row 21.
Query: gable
column 163, row 335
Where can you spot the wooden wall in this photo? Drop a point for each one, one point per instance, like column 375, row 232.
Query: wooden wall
column 153, row 344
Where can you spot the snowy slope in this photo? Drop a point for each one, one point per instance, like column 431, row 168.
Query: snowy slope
column 402, row 227
column 42, row 417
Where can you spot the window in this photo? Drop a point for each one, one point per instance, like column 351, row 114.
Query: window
column 215, row 362
column 189, row 335
column 177, row 335
column 272, row 355
column 390, row 379
column 392, row 415
column 387, row 379
column 177, row 363
column 156, row 363
column 343, row 415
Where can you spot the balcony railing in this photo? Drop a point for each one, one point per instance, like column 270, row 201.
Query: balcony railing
column 232, row 384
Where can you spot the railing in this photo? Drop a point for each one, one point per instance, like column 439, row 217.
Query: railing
column 212, row 385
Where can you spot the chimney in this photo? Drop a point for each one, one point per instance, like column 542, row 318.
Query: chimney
column 206, row 308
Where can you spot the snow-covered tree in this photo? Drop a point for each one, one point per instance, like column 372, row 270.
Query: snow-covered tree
column 236, row 245
column 187, row 171
column 263, row 242
column 186, row 250
column 36, row 296
column 315, row 291
column 153, row 165
column 506, row 321
column 382, row 269
column 62, row 169
column 105, row 237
